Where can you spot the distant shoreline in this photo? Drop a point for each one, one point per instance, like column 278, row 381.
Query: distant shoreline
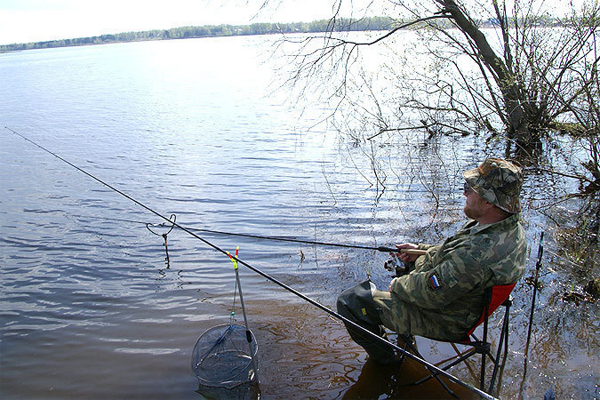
column 266, row 28
column 345, row 25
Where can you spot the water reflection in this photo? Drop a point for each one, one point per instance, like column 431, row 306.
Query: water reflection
column 85, row 292
column 397, row 382
column 247, row 391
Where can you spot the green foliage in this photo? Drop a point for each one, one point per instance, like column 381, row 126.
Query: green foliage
column 364, row 24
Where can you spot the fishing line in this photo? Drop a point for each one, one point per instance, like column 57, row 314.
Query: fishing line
column 139, row 203
column 130, row 221
column 428, row 365
column 382, row 249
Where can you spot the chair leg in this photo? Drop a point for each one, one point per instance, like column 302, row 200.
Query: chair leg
column 435, row 375
column 503, row 338
column 482, row 347
column 482, row 377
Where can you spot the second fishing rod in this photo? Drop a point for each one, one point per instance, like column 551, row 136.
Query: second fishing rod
column 383, row 249
column 169, row 226
column 431, row 367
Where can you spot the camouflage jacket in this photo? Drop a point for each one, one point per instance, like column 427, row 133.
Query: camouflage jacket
column 447, row 284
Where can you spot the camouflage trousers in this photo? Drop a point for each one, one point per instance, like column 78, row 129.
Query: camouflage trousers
column 359, row 305
column 375, row 309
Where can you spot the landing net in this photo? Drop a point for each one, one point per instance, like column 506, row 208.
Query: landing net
column 221, row 356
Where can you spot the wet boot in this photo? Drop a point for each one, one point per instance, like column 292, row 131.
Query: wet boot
column 357, row 305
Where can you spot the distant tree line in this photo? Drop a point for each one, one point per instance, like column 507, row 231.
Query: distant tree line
column 364, row 24
column 186, row 32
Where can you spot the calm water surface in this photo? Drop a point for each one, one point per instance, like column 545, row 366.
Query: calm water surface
column 89, row 309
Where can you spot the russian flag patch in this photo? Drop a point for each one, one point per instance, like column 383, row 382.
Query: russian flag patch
column 434, row 282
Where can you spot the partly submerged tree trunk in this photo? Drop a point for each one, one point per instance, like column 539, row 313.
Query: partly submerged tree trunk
column 513, row 95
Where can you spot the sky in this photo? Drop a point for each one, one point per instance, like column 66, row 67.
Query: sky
column 23, row 21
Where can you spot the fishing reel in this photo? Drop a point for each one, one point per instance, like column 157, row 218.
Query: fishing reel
column 396, row 266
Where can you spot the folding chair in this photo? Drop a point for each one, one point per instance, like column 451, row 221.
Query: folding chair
column 495, row 297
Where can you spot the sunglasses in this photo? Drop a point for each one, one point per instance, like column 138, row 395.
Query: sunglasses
column 467, row 188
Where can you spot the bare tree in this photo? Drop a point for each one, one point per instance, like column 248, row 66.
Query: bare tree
column 505, row 67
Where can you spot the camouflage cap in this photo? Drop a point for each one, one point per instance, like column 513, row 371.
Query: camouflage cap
column 497, row 181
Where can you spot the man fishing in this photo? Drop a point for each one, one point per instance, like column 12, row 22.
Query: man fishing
column 442, row 295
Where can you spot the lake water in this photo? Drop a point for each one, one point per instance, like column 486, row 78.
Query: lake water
column 89, row 308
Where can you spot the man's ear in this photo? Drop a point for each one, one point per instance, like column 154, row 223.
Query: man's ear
column 486, row 204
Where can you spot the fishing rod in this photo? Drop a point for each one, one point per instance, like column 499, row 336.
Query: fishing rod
column 538, row 265
column 428, row 365
column 382, row 249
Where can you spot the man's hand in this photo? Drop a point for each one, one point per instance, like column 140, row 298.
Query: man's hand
column 404, row 257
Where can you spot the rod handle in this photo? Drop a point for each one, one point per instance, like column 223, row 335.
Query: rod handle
column 406, row 251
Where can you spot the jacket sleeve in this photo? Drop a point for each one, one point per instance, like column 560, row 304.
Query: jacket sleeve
column 432, row 288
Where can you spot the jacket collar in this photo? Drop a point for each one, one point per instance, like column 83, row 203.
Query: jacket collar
column 473, row 227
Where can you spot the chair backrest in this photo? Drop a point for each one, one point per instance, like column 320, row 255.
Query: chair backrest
column 494, row 297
